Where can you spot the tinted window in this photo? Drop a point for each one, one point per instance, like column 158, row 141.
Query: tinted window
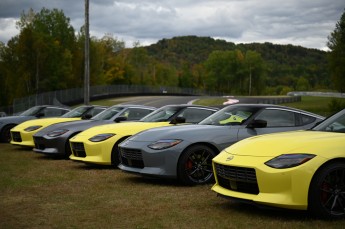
column 232, row 115
column 94, row 111
column 108, row 113
column 161, row 115
column 277, row 118
column 334, row 124
column 305, row 119
column 32, row 111
column 136, row 113
column 195, row 115
column 53, row 112
column 76, row 113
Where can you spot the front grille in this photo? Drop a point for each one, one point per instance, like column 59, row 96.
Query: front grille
column 238, row 179
column 131, row 157
column 78, row 149
column 39, row 145
column 16, row 136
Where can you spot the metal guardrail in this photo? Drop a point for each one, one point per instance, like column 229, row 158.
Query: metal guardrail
column 320, row 94
column 76, row 95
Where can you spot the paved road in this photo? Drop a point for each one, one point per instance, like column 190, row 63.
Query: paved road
column 158, row 101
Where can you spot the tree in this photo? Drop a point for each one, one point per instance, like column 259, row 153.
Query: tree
column 255, row 69
column 336, row 43
column 45, row 48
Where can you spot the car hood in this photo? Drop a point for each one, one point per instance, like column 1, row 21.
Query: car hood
column 42, row 122
column 185, row 132
column 74, row 125
column 326, row 144
column 15, row 119
column 123, row 129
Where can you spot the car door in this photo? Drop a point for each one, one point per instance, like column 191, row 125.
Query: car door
column 278, row 120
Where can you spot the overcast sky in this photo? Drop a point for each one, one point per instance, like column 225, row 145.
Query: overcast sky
column 307, row 23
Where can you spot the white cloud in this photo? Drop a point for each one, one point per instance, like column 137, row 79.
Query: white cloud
column 297, row 22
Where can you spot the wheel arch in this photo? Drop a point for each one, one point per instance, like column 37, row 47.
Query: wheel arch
column 5, row 127
column 334, row 160
column 116, row 145
column 67, row 143
column 213, row 147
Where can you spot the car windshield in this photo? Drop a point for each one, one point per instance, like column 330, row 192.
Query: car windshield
column 335, row 123
column 229, row 116
column 75, row 113
column 32, row 111
column 108, row 113
column 161, row 115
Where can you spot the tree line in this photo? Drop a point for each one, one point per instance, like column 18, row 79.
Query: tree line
column 48, row 55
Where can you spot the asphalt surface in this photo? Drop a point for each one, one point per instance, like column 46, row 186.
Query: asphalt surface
column 158, row 101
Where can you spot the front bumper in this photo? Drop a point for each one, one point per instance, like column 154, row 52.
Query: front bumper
column 21, row 138
column 138, row 158
column 93, row 152
column 53, row 146
column 284, row 188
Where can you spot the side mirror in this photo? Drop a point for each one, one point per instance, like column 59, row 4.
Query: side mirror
column 87, row 116
column 39, row 115
column 178, row 120
column 120, row 119
column 258, row 123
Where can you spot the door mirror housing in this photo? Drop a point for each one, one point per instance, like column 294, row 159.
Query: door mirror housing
column 86, row 116
column 39, row 115
column 120, row 119
column 178, row 120
column 258, row 123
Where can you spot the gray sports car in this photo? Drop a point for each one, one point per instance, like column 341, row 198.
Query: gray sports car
column 186, row 152
column 43, row 111
column 53, row 140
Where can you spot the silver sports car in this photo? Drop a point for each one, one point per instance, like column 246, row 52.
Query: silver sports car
column 186, row 152
column 54, row 140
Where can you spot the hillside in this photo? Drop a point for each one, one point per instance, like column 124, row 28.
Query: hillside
column 284, row 62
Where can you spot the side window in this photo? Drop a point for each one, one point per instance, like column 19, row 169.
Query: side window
column 195, row 115
column 305, row 119
column 95, row 111
column 53, row 112
column 277, row 118
column 137, row 113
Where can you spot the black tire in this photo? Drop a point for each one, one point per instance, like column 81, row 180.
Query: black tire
column 5, row 135
column 195, row 165
column 115, row 153
column 327, row 192
column 68, row 150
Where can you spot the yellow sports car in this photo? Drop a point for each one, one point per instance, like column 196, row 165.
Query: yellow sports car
column 302, row 170
column 99, row 145
column 22, row 134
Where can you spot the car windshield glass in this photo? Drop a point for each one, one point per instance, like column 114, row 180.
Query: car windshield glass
column 77, row 112
column 108, row 113
column 229, row 116
column 161, row 115
column 336, row 123
column 31, row 112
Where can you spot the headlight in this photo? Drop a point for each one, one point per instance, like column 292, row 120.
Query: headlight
column 164, row 144
column 100, row 137
column 289, row 160
column 32, row 128
column 56, row 133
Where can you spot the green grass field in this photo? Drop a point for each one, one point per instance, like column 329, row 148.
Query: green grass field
column 40, row 192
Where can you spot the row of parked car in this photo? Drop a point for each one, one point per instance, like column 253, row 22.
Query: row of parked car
column 301, row 168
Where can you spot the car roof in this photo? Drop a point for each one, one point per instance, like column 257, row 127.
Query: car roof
column 191, row 105
column 261, row 106
column 133, row 105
